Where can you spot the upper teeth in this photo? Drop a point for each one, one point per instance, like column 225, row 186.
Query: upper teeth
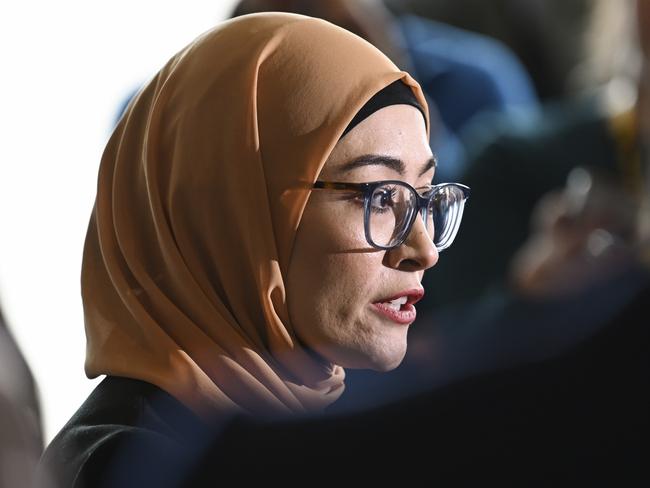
column 398, row 302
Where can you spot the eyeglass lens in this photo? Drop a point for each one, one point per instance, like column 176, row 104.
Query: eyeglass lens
column 391, row 209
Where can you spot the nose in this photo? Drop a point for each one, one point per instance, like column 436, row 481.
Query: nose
column 417, row 252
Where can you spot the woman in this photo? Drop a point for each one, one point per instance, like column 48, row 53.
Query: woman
column 255, row 231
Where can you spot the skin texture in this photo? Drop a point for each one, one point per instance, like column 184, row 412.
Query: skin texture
column 334, row 275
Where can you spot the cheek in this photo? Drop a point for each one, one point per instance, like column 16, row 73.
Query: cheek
column 335, row 229
column 345, row 283
column 332, row 268
column 327, row 231
column 331, row 274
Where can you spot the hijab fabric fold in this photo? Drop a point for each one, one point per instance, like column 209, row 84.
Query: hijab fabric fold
column 200, row 192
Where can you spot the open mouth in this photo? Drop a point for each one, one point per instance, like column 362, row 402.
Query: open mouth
column 396, row 304
column 400, row 308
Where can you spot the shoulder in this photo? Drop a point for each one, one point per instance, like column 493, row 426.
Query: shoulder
column 124, row 434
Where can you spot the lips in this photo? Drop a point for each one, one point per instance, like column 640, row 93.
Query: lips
column 399, row 307
column 412, row 296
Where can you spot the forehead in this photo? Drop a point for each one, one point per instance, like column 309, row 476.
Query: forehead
column 395, row 131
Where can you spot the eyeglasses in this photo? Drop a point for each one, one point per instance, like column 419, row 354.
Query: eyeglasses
column 391, row 207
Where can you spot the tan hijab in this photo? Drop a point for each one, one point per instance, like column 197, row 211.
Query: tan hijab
column 201, row 189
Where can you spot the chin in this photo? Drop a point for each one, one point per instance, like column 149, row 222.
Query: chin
column 380, row 360
column 387, row 364
column 388, row 353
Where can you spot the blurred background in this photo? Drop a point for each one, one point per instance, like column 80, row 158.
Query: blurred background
column 535, row 104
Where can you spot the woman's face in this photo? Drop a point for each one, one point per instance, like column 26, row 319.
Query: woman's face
column 338, row 285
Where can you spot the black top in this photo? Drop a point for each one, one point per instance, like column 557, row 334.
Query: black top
column 578, row 419
column 127, row 433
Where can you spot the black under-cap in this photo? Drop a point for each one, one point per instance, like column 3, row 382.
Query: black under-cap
column 397, row 93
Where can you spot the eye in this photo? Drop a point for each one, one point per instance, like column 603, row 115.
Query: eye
column 383, row 199
column 426, row 190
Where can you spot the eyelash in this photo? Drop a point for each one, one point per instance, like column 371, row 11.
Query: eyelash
column 381, row 210
column 359, row 199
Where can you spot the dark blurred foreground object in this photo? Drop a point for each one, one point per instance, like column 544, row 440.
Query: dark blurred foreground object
column 21, row 442
column 578, row 419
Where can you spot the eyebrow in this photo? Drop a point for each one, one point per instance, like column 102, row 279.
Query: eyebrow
column 395, row 164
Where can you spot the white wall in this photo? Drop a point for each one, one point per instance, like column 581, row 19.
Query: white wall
column 65, row 66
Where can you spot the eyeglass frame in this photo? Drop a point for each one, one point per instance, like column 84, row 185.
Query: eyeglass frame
column 367, row 189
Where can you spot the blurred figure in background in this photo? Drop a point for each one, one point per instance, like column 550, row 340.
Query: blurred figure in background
column 546, row 35
column 592, row 221
column 512, row 163
column 463, row 73
column 21, row 440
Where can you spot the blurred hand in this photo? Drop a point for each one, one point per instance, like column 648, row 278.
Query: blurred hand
column 579, row 236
